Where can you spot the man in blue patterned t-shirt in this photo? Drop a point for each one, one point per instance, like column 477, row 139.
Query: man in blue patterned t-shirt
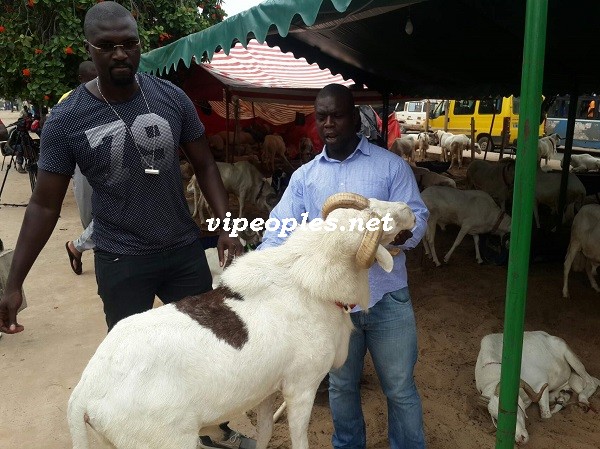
column 123, row 131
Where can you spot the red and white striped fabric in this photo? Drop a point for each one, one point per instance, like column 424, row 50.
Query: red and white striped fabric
column 273, row 85
column 270, row 84
column 260, row 66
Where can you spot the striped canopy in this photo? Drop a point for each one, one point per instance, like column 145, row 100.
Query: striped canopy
column 259, row 66
column 268, row 83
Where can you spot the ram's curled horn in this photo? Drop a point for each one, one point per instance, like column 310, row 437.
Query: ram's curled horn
column 365, row 255
column 344, row 201
column 483, row 400
column 535, row 397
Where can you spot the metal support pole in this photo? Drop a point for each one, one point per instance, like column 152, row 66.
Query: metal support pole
column 520, row 241
column 384, row 119
column 227, row 98
column 564, row 179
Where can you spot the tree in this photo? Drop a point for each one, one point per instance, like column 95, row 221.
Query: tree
column 42, row 40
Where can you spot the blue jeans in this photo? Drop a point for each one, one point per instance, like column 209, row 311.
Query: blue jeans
column 389, row 332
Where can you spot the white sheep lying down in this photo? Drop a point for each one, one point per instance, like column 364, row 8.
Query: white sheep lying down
column 550, row 370
column 584, row 162
column 276, row 323
column 473, row 210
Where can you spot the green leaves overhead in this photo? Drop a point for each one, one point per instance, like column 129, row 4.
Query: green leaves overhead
column 42, row 40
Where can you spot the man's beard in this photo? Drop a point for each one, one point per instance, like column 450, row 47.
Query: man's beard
column 123, row 81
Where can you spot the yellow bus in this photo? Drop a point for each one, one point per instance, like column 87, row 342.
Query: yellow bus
column 460, row 113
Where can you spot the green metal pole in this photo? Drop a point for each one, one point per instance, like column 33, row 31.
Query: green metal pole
column 520, row 240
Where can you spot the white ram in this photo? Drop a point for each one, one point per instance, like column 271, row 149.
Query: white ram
column 549, row 369
column 473, row 211
column 276, row 323
column 241, row 179
column 547, row 147
column 585, row 238
column 453, row 145
column 497, row 179
column 422, row 145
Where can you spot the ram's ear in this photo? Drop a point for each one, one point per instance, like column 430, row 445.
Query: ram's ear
column 384, row 259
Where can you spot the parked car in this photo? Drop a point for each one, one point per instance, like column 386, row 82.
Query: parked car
column 411, row 115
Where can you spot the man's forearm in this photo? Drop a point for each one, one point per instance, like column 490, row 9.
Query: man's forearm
column 36, row 229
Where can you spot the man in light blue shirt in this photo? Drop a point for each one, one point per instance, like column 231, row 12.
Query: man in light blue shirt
column 349, row 163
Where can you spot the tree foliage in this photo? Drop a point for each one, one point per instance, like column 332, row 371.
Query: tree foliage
column 41, row 41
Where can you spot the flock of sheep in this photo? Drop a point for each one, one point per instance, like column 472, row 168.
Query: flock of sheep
column 305, row 341
column 550, row 370
column 482, row 207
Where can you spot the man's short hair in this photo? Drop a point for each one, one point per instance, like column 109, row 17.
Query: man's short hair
column 337, row 91
column 103, row 12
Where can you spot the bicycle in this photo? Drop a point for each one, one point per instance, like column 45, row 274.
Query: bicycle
column 20, row 143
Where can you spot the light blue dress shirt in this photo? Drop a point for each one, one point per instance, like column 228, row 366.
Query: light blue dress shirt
column 371, row 171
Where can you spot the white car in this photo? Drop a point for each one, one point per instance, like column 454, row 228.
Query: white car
column 412, row 114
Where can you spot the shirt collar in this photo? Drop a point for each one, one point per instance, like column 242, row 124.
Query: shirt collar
column 363, row 146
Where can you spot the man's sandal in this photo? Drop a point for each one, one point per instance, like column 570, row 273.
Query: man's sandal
column 74, row 261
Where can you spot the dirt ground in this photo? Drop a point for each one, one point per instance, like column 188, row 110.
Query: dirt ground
column 456, row 305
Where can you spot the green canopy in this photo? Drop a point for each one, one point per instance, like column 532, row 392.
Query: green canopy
column 457, row 48
column 272, row 16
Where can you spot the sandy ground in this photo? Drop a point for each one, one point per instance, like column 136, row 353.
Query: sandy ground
column 455, row 305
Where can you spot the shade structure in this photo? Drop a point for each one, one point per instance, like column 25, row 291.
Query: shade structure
column 269, row 84
column 458, row 48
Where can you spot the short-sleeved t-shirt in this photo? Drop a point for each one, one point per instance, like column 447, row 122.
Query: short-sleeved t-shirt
column 134, row 212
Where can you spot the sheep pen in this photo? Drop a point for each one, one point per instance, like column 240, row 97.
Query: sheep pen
column 455, row 307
